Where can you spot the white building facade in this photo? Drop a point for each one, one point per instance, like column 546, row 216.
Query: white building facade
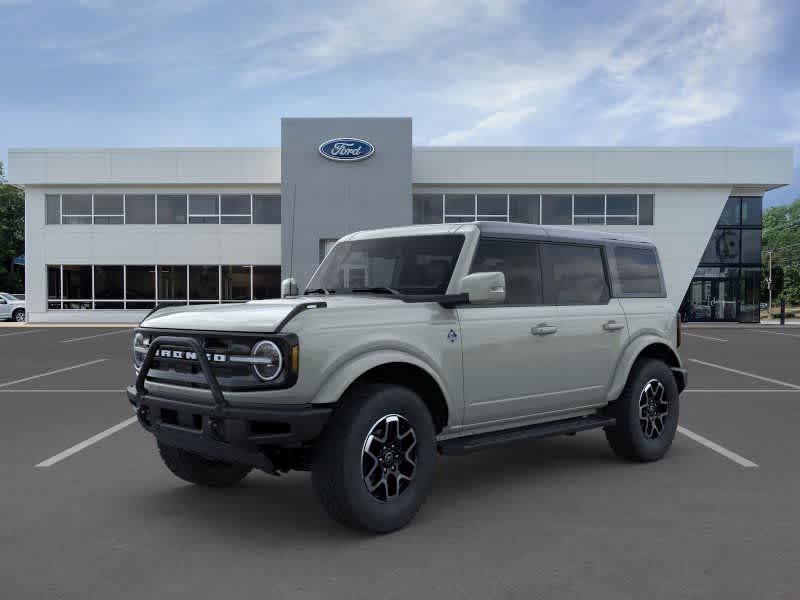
column 111, row 233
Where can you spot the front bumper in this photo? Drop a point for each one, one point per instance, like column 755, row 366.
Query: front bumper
column 220, row 431
column 230, row 434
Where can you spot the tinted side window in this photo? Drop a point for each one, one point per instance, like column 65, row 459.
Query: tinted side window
column 518, row 261
column 575, row 274
column 637, row 270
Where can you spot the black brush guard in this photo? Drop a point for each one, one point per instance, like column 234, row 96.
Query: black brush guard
column 220, row 431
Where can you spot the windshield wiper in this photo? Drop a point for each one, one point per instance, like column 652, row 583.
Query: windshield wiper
column 319, row 291
column 376, row 290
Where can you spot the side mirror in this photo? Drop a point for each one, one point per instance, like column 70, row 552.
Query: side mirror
column 485, row 288
column 289, row 287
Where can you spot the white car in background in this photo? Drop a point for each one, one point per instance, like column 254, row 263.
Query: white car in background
column 12, row 308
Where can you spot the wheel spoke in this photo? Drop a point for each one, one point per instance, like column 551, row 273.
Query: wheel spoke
column 389, row 457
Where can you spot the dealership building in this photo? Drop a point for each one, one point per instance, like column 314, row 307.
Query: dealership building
column 111, row 233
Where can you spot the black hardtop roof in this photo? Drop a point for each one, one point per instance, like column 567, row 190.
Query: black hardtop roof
column 555, row 233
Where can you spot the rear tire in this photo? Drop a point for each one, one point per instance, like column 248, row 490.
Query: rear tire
column 373, row 464
column 18, row 315
column 200, row 470
column 646, row 412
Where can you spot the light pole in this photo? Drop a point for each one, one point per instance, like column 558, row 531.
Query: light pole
column 769, row 285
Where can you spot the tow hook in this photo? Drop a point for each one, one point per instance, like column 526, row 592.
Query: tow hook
column 143, row 414
column 216, row 426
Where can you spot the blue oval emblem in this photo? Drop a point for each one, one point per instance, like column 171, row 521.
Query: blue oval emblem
column 346, row 149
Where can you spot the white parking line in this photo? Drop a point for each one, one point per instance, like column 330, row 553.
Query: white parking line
column 24, row 379
column 91, row 337
column 794, row 335
column 45, row 391
column 705, row 337
column 22, row 332
column 86, row 443
column 745, row 373
column 730, row 455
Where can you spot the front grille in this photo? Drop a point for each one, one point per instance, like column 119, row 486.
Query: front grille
column 186, row 372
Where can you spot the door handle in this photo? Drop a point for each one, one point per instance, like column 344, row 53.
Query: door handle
column 612, row 326
column 543, row 329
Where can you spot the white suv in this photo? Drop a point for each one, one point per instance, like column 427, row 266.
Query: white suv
column 12, row 308
column 409, row 341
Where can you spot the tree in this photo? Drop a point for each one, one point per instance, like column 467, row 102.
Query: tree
column 781, row 235
column 12, row 235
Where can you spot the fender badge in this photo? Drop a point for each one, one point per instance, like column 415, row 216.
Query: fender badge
column 452, row 336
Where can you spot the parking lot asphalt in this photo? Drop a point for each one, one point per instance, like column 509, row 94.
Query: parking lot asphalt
column 560, row 517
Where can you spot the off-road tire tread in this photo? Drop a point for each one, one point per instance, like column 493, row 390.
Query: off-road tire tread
column 199, row 470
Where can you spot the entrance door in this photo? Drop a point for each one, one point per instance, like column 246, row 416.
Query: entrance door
column 712, row 300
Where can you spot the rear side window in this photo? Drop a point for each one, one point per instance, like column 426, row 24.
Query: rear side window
column 637, row 272
column 518, row 261
column 574, row 274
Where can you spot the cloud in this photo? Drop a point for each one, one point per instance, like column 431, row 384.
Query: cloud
column 680, row 65
column 303, row 45
column 494, row 123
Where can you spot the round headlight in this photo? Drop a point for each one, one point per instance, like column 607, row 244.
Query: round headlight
column 140, row 344
column 267, row 360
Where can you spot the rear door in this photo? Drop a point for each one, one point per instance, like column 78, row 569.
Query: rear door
column 593, row 330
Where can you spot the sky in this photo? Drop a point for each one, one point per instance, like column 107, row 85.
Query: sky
column 107, row 73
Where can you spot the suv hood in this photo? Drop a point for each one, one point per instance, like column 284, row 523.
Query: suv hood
column 261, row 316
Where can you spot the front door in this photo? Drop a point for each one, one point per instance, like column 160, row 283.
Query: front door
column 510, row 368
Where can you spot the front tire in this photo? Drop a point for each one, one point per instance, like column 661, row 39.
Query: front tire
column 373, row 465
column 646, row 412
column 18, row 315
column 200, row 470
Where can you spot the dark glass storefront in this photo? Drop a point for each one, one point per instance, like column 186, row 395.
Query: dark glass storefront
column 726, row 284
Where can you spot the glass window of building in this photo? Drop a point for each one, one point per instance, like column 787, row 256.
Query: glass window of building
column 731, row 214
column 723, row 247
column 140, row 286
column 459, row 206
column 109, row 209
column 646, row 208
column 492, row 207
column 203, row 282
column 235, row 209
column 751, row 211
column 76, row 209
column 77, row 286
column 589, row 209
column 713, row 295
column 140, row 209
column 172, row 283
column 53, row 209
column 54, row 287
column 751, row 246
column 235, row 283
column 267, row 209
column 621, row 209
column 749, row 294
column 204, row 208
column 266, row 282
column 108, row 282
column 523, row 208
column 171, row 209
column 556, row 209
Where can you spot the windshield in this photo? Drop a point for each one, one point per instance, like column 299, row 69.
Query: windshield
column 8, row 297
column 420, row 264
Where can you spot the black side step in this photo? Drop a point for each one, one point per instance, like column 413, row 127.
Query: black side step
column 481, row 441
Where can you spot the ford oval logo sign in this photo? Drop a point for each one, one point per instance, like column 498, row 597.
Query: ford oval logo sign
column 345, row 149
